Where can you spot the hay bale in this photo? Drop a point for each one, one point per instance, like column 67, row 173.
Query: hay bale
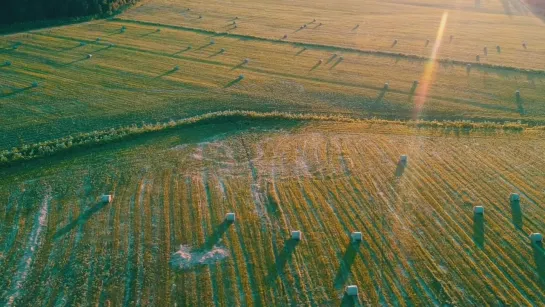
column 296, row 235
column 82, row 44
column 89, row 56
column 485, row 50
column 241, row 77
column 536, row 237
column 415, row 83
column 403, row 159
column 200, row 16
column 386, row 85
column 468, row 68
column 111, row 45
column 524, row 45
column 478, row 58
column 158, row 30
column 212, row 42
column 321, row 61
column 176, row 68
column 246, row 61
column 514, row 198
column 356, row 237
column 230, row 217
column 34, row 84
column 222, row 50
column 341, row 58
column 427, row 42
column 478, row 210
column 106, row 198
column 352, row 290
column 498, row 48
column 7, row 63
column 285, row 36
column 517, row 94
column 98, row 39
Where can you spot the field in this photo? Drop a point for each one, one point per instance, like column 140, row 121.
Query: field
column 351, row 72
column 116, row 85
column 422, row 244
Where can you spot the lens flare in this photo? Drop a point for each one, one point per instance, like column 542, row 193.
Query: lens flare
column 429, row 70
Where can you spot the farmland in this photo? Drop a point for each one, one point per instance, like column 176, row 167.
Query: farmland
column 129, row 68
column 421, row 242
column 292, row 115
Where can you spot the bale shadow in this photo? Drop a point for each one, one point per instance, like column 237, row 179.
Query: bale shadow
column 339, row 60
column 478, row 229
column 355, row 28
column 301, row 51
column 412, row 91
column 516, row 215
column 76, row 61
column 282, row 259
column 233, row 82
column 346, row 264
column 349, row 301
column 520, row 105
column 205, row 46
column 182, row 51
column 165, row 74
column 400, row 169
column 216, row 235
column 317, row 26
column 238, row 65
column 331, row 59
column 316, row 66
column 539, row 258
column 393, row 44
column 148, row 34
column 381, row 95
column 15, row 92
column 82, row 219
column 215, row 54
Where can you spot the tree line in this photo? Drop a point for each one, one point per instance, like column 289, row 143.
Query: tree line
column 20, row 11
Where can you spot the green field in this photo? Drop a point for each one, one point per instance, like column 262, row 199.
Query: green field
column 312, row 144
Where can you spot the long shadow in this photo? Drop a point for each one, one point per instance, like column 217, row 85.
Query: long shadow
column 315, row 66
column 478, row 229
column 165, row 74
column 520, row 105
column 381, row 95
column 231, row 83
column 68, row 48
column 346, row 264
column 15, row 92
column 331, row 59
column 339, row 60
column 82, row 219
column 215, row 54
column 282, row 259
column 147, row 34
column 317, row 26
column 516, row 215
column 301, row 51
column 349, row 301
column 76, row 61
column 412, row 91
column 182, row 51
column 205, row 46
column 355, row 28
column 539, row 258
column 216, row 235
column 238, row 65
column 400, row 169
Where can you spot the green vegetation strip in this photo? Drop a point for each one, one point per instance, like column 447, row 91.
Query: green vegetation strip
column 48, row 148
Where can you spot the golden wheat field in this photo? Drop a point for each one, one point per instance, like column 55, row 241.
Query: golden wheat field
column 127, row 142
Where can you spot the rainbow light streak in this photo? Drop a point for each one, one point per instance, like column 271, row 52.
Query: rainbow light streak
column 429, row 70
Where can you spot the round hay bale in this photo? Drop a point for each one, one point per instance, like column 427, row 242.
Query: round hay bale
column 246, row 61
column 230, row 217
column 285, row 36
column 478, row 210
column 468, row 67
column 352, row 290
column 34, row 84
column 386, row 85
column 82, row 44
column 241, row 77
column 478, row 58
column 89, row 56
column 485, row 50
column 176, row 68
column 7, row 63
column 222, row 50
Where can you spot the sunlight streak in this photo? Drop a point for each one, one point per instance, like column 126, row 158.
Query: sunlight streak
column 429, row 70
